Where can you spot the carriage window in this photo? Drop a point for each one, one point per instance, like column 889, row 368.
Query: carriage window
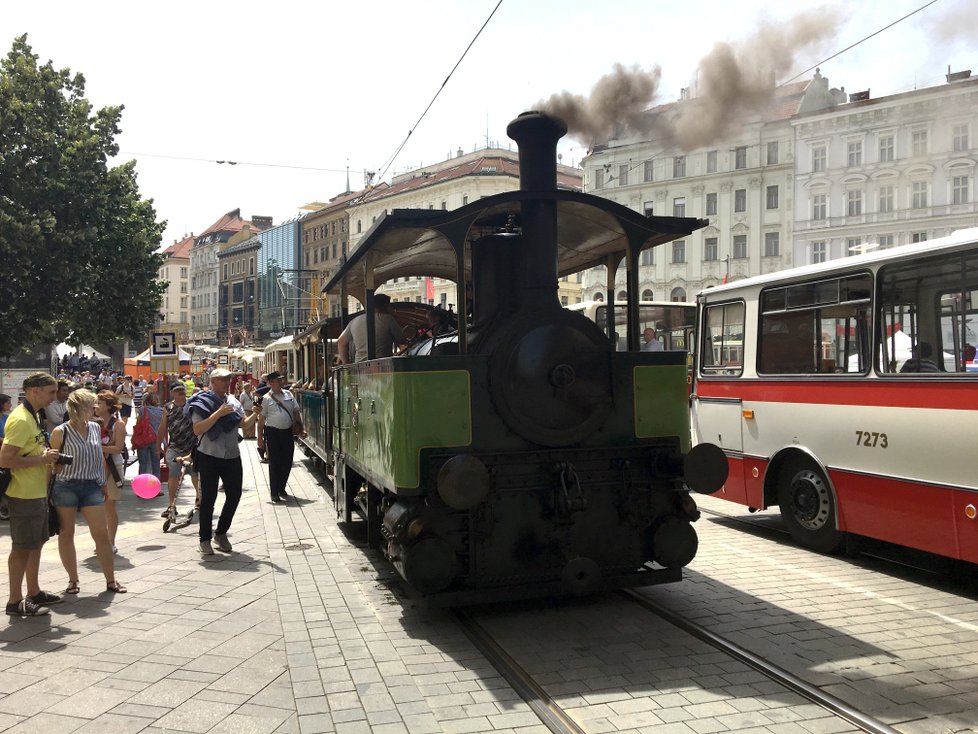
column 928, row 309
column 723, row 339
column 818, row 327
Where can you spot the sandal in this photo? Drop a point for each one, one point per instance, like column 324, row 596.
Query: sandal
column 72, row 587
column 115, row 587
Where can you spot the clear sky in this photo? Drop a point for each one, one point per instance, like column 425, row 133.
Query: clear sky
column 326, row 85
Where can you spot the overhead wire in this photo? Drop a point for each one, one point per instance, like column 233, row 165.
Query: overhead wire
column 390, row 161
column 862, row 40
column 232, row 163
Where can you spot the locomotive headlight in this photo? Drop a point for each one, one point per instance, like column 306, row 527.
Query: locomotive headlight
column 705, row 468
column 463, row 482
column 414, row 528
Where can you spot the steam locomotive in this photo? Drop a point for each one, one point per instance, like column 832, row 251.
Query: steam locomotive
column 521, row 454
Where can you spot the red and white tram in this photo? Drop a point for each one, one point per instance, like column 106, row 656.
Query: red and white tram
column 844, row 393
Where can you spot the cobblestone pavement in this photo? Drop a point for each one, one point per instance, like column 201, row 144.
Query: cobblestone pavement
column 301, row 630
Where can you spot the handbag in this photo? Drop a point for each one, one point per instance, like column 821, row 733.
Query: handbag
column 297, row 428
column 143, row 434
column 5, row 477
column 54, row 523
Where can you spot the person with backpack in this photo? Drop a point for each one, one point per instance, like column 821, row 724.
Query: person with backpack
column 147, row 451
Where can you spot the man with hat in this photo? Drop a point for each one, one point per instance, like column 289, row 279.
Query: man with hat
column 177, row 433
column 27, row 454
column 216, row 416
column 278, row 413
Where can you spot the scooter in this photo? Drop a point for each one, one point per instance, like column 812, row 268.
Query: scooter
column 174, row 520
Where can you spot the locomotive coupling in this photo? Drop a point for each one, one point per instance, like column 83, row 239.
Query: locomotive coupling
column 570, row 496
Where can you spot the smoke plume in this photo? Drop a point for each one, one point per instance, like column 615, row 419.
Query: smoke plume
column 734, row 82
column 958, row 23
column 617, row 103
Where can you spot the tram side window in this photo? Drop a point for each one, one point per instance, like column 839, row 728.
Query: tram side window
column 722, row 344
column 819, row 327
column 928, row 309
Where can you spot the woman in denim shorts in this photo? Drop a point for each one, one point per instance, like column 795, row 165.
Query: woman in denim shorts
column 78, row 486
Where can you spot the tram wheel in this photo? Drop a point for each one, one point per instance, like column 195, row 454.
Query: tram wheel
column 808, row 507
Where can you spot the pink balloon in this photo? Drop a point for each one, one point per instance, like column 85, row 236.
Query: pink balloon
column 146, row 486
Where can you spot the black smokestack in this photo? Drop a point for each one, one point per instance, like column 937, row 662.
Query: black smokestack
column 537, row 134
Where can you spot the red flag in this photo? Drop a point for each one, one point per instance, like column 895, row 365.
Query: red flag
column 429, row 289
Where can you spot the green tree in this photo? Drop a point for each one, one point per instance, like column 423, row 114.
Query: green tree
column 77, row 244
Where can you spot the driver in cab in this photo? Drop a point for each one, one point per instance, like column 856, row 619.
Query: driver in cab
column 353, row 340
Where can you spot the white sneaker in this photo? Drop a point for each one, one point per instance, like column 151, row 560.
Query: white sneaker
column 205, row 548
column 115, row 551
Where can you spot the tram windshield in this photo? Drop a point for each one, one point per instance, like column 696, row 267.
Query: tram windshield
column 672, row 323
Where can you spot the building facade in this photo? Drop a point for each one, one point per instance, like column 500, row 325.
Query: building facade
column 325, row 243
column 884, row 172
column 175, row 272
column 742, row 185
column 237, row 300
column 205, row 275
column 283, row 284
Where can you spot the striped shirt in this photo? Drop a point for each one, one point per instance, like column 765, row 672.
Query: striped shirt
column 87, row 451
column 181, row 430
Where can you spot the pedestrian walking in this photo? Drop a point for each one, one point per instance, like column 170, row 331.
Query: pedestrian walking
column 216, row 417
column 26, row 453
column 125, row 393
column 149, row 456
column 278, row 413
column 113, row 441
column 177, row 433
column 80, row 487
column 247, row 400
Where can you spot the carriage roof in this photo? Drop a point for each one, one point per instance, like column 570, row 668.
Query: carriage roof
column 413, row 242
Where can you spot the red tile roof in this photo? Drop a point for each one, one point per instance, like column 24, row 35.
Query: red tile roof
column 488, row 165
column 181, row 248
column 230, row 222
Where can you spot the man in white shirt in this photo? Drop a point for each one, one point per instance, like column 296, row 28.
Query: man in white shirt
column 650, row 341
column 125, row 392
column 57, row 412
column 388, row 333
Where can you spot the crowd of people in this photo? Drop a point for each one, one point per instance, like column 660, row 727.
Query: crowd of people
column 65, row 451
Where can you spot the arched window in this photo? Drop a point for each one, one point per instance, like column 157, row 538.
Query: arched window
column 647, row 295
column 622, row 296
column 678, row 295
column 598, row 296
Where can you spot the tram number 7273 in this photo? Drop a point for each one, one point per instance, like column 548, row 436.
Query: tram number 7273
column 871, row 439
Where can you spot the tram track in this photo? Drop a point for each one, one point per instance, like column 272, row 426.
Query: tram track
column 559, row 721
column 550, row 713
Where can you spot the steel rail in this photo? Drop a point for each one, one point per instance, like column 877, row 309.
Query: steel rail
column 549, row 711
column 837, row 706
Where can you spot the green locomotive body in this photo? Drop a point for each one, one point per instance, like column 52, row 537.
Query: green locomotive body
column 521, row 455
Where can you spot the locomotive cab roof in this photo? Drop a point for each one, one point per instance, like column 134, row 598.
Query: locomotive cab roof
column 413, row 242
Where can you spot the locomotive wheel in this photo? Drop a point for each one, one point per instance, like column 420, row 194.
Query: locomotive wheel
column 808, row 507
